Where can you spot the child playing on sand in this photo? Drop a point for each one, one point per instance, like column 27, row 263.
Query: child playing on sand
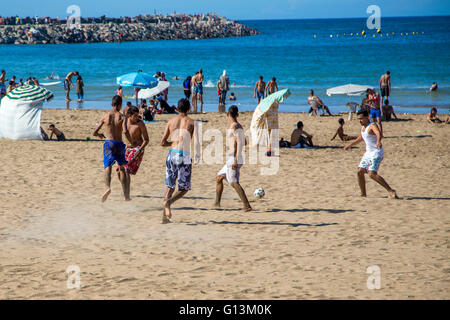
column 54, row 131
column 340, row 132
column 432, row 116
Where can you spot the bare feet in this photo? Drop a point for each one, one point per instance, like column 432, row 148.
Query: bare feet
column 127, row 199
column 363, row 195
column 216, row 205
column 393, row 195
column 165, row 220
column 106, row 194
column 167, row 211
column 248, row 209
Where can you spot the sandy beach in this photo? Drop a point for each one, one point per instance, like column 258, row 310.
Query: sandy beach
column 311, row 237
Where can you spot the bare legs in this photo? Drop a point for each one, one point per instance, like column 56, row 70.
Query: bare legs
column 241, row 194
column 124, row 180
column 237, row 187
column 348, row 138
column 201, row 103
column 194, row 102
column 107, row 183
column 375, row 176
column 168, row 201
column 219, row 190
column 362, row 181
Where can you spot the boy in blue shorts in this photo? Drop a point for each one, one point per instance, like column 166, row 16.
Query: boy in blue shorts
column 113, row 148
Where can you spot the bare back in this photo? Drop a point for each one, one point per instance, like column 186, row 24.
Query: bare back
column 177, row 128
column 113, row 121
column 385, row 80
column 295, row 136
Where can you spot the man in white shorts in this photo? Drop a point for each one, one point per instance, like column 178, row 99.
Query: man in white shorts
column 373, row 156
column 230, row 171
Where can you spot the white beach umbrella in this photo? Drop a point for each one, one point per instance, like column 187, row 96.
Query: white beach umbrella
column 349, row 90
column 151, row 92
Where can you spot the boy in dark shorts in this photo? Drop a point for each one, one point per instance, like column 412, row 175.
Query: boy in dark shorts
column 58, row 134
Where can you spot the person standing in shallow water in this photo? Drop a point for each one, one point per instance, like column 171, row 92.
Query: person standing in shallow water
column 370, row 162
column 80, row 88
column 113, row 148
column 260, row 86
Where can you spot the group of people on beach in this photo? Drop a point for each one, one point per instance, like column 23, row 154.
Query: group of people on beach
column 12, row 84
column 177, row 135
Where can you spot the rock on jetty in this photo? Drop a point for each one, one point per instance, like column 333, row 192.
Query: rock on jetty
column 140, row 28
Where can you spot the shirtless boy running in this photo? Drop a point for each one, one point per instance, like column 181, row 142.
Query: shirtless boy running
column 178, row 162
column 137, row 136
column 113, row 148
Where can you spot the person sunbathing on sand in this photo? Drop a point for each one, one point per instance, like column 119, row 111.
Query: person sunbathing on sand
column 300, row 138
column 113, row 148
column 340, row 132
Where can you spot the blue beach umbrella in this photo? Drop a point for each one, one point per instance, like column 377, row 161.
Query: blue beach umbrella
column 137, row 80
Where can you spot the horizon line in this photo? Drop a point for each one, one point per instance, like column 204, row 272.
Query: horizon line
column 430, row 16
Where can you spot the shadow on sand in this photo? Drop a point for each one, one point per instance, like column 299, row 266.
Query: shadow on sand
column 274, row 223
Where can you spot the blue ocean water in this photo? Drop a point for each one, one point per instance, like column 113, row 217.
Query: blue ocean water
column 299, row 53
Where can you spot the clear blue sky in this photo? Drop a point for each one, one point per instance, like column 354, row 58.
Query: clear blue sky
column 234, row 9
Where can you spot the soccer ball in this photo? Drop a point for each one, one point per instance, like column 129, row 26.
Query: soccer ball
column 259, row 193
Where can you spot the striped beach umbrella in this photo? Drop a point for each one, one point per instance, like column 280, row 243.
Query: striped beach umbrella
column 30, row 93
column 20, row 112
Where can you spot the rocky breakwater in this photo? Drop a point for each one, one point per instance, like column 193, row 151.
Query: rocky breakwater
column 141, row 28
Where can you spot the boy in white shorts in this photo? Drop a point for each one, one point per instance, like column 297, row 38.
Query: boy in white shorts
column 373, row 156
column 230, row 171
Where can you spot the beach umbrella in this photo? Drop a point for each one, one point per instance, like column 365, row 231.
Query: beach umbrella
column 151, row 92
column 20, row 112
column 349, row 90
column 265, row 117
column 137, row 80
column 30, row 93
